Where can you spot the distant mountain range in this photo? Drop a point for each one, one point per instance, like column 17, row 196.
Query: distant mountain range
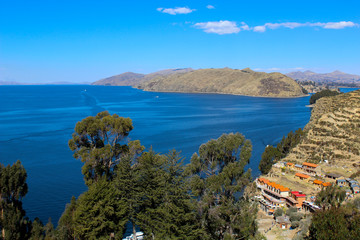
column 135, row 79
column 336, row 77
column 224, row 80
column 50, row 83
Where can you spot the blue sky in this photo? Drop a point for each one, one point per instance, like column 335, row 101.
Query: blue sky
column 83, row 41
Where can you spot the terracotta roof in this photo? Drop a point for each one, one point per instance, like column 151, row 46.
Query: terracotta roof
column 302, row 175
column 326, row 184
column 310, row 164
column 290, row 164
column 317, row 182
column 264, row 180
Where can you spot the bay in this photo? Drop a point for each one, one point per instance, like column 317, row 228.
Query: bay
column 36, row 123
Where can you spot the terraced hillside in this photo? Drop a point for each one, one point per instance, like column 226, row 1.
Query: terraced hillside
column 333, row 132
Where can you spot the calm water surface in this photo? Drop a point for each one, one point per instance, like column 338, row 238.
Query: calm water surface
column 36, row 123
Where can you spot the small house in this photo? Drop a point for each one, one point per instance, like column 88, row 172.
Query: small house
column 355, row 189
column 326, row 184
column 317, row 182
column 309, row 167
column 341, row 182
column 298, row 166
column 290, row 165
column 333, row 175
column 299, row 197
column 302, row 176
column 283, row 222
column 352, row 182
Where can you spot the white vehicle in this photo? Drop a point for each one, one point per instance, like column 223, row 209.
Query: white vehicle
column 139, row 236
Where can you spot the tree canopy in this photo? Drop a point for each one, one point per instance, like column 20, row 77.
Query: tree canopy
column 271, row 154
column 321, row 94
column 217, row 179
column 100, row 142
column 158, row 193
column 13, row 188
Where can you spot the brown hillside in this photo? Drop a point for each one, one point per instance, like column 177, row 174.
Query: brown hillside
column 228, row 81
column 333, row 132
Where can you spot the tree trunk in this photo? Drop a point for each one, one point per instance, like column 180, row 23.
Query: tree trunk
column 134, row 230
column 2, row 218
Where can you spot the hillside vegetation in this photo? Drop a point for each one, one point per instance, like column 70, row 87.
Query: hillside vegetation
column 333, row 132
column 228, row 81
column 323, row 93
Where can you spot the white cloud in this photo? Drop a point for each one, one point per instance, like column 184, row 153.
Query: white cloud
column 228, row 27
column 219, row 27
column 292, row 25
column 259, row 29
column 177, row 10
column 244, row 26
column 210, row 7
column 339, row 25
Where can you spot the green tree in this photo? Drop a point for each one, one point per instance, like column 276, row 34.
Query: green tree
column 100, row 142
column 13, row 188
column 268, row 158
column 329, row 225
column 167, row 211
column 331, row 196
column 271, row 154
column 278, row 212
column 66, row 225
column 99, row 212
column 217, row 179
column 127, row 182
column 291, row 210
column 37, row 230
column 321, row 94
column 49, row 231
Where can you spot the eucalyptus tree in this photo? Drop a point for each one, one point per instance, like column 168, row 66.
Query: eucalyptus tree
column 217, row 180
column 100, row 142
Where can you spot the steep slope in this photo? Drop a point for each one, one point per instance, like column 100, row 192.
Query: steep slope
column 333, row 77
column 226, row 80
column 333, row 132
column 124, row 79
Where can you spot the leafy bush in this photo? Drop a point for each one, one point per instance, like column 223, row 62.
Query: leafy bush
column 278, row 212
column 323, row 93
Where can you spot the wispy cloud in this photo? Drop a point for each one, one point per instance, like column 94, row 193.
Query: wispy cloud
column 221, row 27
column 177, row 10
column 229, row 27
column 210, row 7
column 292, row 25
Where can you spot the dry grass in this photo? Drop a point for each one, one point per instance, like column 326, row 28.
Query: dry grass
column 228, row 81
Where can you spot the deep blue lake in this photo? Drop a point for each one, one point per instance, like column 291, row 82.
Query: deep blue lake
column 36, row 123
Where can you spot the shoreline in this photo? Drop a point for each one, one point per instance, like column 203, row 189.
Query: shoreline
column 234, row 94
